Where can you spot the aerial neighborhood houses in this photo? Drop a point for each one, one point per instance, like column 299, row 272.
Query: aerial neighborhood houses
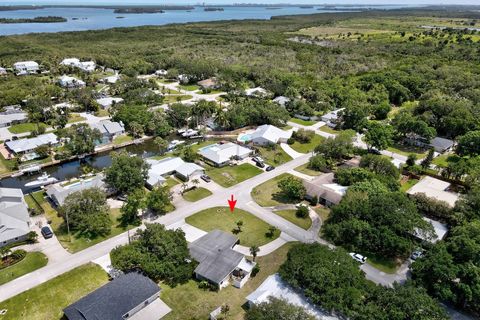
column 87, row 66
column 12, row 115
column 129, row 296
column 440, row 145
column 218, row 262
column 60, row 191
column 70, row 82
column 26, row 67
column 161, row 169
column 210, row 83
column 27, row 146
column 14, row 217
column 109, row 130
column 222, row 154
column 436, row 189
column 107, row 102
column 267, row 135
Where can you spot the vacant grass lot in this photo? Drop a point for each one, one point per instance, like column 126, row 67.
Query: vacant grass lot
column 189, row 302
column 307, row 147
column 268, row 194
column 31, row 262
column 274, row 157
column 291, row 216
column 122, row 139
column 253, row 230
column 305, row 170
column 230, row 176
column 47, row 300
column 5, row 165
column 406, row 150
column 405, row 185
column 25, row 127
column 196, row 194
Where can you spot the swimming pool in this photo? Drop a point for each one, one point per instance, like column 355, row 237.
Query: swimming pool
column 245, row 137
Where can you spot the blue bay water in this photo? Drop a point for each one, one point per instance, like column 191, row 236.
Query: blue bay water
column 94, row 18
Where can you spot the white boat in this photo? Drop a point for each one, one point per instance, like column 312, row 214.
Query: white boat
column 17, row 174
column 189, row 133
column 41, row 181
column 31, row 169
column 173, row 144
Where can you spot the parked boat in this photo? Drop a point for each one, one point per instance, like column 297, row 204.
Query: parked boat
column 17, row 174
column 173, row 144
column 189, row 133
column 41, row 181
column 31, row 169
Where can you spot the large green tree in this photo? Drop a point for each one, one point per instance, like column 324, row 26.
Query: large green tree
column 277, row 309
column 126, row 173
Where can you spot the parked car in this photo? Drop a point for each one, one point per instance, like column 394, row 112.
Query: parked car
column 260, row 164
column 418, row 253
column 205, row 178
column 46, row 232
column 358, row 257
column 257, row 160
column 270, row 168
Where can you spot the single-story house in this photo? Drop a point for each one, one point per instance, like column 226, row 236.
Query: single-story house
column 440, row 145
column 210, row 83
column 218, row 263
column 129, row 296
column 435, row 188
column 26, row 67
column 160, row 169
column 327, row 192
column 268, row 134
column 109, row 130
column 275, row 287
column 281, row 100
column 14, row 218
column 256, row 92
column 27, row 145
column 111, row 79
column 107, row 102
column 70, row 82
column 12, row 115
column 439, row 231
column 87, row 66
column 58, row 192
column 220, row 154
column 331, row 118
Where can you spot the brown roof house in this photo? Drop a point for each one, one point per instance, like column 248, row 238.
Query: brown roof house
column 210, row 83
column 323, row 187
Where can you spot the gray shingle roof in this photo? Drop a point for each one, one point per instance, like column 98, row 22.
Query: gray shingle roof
column 114, row 299
column 59, row 191
column 14, row 216
column 214, row 253
column 441, row 144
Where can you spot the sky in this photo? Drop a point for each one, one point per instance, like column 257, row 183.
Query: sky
column 165, row 2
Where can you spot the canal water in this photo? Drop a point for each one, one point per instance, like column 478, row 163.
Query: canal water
column 73, row 169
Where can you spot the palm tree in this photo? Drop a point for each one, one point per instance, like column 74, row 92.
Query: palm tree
column 195, row 182
column 5, row 251
column 253, row 251
column 221, row 119
column 239, row 224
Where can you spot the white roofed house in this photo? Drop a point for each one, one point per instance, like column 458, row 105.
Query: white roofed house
column 161, row 72
column 111, row 79
column 12, row 115
column 87, row 66
column 14, row 217
column 109, row 130
column 70, row 82
column 436, row 189
column 107, row 102
column 26, row 67
column 323, row 187
column 268, row 134
column 60, row 191
column 281, row 100
column 28, row 145
column 71, row 62
column 332, row 118
column 256, row 92
column 161, row 169
column 220, row 154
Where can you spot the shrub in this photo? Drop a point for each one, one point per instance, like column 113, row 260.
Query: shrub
column 314, row 201
column 255, row 270
column 302, row 212
column 303, row 136
column 18, row 254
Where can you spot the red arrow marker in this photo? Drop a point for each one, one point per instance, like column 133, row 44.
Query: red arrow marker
column 232, row 202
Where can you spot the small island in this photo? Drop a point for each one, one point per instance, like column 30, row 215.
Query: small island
column 137, row 10
column 213, row 9
column 49, row 19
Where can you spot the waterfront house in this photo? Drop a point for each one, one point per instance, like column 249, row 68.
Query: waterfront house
column 221, row 154
column 70, row 82
column 28, row 145
column 26, row 67
column 58, row 192
column 268, row 134
column 109, row 130
column 129, row 296
column 161, row 169
column 14, row 218
column 218, row 263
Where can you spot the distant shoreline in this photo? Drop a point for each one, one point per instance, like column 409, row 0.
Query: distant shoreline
column 48, row 19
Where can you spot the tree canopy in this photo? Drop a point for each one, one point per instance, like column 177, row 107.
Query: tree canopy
column 126, row 173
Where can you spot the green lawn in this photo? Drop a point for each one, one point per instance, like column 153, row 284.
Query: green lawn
column 171, row 182
column 25, row 127
column 173, row 99
column 75, row 117
column 382, row 264
column 305, row 170
column 189, row 87
column 441, row 160
column 268, row 193
column 291, row 216
column 327, row 129
column 307, row 147
column 47, row 300
column 122, row 139
column 253, row 230
column 230, row 176
column 77, row 242
column 199, row 145
column 196, row 194
column 274, row 157
column 5, row 165
column 407, row 150
column 306, row 123
column 102, row 113
column 408, row 184
column 31, row 262
column 189, row 302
